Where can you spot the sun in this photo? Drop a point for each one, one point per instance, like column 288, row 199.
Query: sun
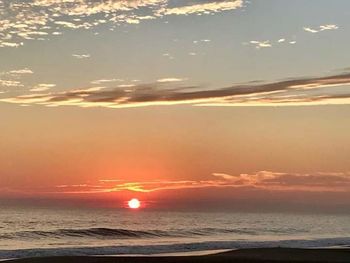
column 134, row 203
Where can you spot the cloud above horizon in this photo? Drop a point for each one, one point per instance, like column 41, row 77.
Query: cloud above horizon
column 332, row 89
column 263, row 180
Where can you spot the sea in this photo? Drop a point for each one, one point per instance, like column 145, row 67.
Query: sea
column 36, row 232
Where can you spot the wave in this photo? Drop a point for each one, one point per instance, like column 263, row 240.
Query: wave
column 121, row 233
column 172, row 248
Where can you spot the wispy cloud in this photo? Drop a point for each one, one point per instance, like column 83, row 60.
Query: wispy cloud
column 10, row 83
column 298, row 91
column 12, row 78
column 308, row 29
column 163, row 80
column 321, row 28
column 258, row 44
column 20, row 71
column 269, row 43
column 168, row 56
column 291, row 181
column 265, row 180
column 42, row 87
column 81, row 56
column 102, row 81
column 201, row 41
column 206, row 7
column 38, row 19
column 261, row 44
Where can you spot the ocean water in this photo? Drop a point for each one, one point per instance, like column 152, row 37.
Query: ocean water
column 28, row 232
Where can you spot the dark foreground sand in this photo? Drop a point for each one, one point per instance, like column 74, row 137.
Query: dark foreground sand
column 243, row 255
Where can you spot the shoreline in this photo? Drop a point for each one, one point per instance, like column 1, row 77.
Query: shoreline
column 239, row 255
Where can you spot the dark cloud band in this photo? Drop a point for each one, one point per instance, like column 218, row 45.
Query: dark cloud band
column 314, row 90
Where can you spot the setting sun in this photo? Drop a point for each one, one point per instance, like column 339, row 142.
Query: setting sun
column 134, row 203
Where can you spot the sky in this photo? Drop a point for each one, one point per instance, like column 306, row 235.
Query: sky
column 183, row 104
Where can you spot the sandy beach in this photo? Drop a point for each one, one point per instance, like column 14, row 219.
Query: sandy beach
column 243, row 255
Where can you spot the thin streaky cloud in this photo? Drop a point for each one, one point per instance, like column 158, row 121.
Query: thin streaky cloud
column 308, row 29
column 298, row 91
column 321, row 28
column 261, row 44
column 170, row 80
column 263, row 180
column 81, row 56
column 328, row 27
column 42, row 87
column 20, row 71
column 101, row 81
column 201, row 41
column 10, row 83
